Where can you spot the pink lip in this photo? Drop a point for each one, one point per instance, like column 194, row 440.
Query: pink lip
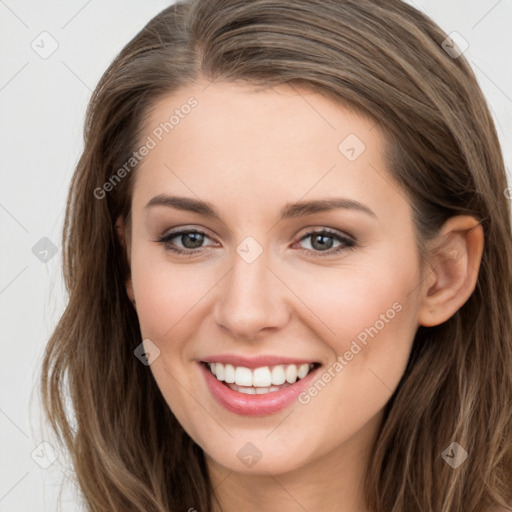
column 255, row 362
column 254, row 405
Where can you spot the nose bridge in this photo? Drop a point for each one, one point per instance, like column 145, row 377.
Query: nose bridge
column 251, row 297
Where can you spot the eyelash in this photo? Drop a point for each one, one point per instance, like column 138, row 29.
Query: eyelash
column 347, row 243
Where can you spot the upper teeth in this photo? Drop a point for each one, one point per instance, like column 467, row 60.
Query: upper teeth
column 259, row 377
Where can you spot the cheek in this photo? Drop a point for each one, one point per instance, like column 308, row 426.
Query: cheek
column 367, row 316
column 346, row 303
column 374, row 317
column 166, row 294
column 168, row 299
column 361, row 313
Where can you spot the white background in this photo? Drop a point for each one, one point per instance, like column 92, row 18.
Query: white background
column 42, row 106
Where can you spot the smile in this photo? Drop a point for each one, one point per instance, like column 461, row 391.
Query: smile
column 261, row 387
column 259, row 380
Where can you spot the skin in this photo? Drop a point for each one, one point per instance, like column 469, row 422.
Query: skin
column 249, row 152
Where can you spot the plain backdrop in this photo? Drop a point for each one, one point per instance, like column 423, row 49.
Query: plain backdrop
column 42, row 104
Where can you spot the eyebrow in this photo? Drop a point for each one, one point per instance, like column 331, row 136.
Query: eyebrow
column 290, row 210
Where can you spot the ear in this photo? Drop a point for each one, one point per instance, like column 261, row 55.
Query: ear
column 451, row 277
column 125, row 243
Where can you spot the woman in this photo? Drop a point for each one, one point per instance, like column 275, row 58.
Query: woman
column 288, row 257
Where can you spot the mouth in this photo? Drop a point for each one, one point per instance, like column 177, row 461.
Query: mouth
column 260, row 390
column 262, row 380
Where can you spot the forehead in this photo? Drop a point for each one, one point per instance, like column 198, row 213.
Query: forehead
column 257, row 146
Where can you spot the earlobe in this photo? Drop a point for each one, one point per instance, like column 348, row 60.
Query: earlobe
column 453, row 271
column 129, row 291
column 120, row 230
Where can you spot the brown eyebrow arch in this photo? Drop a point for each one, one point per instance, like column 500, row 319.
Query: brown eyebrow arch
column 290, row 210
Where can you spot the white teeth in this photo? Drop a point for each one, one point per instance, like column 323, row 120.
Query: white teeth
column 243, row 376
column 303, row 370
column 257, row 391
column 261, row 377
column 278, row 376
column 264, row 378
column 291, row 373
column 229, row 373
column 219, row 371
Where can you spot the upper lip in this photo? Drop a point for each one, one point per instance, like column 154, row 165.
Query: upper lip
column 255, row 362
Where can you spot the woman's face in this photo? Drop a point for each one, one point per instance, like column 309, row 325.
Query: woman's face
column 257, row 291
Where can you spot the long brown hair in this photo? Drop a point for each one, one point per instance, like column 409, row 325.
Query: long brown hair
column 385, row 59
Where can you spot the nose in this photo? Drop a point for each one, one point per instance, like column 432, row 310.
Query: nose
column 251, row 300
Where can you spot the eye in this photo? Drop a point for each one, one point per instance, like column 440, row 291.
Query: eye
column 190, row 239
column 322, row 242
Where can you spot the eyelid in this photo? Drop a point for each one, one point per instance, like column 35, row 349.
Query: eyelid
column 310, row 230
column 346, row 240
column 187, row 229
column 166, row 238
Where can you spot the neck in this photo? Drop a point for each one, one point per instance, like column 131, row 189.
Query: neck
column 333, row 481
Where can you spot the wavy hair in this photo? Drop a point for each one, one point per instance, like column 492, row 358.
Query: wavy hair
column 385, row 59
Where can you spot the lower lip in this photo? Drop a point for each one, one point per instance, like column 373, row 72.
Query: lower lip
column 254, row 405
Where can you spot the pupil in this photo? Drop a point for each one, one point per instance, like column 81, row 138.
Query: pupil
column 197, row 239
column 322, row 244
column 319, row 241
